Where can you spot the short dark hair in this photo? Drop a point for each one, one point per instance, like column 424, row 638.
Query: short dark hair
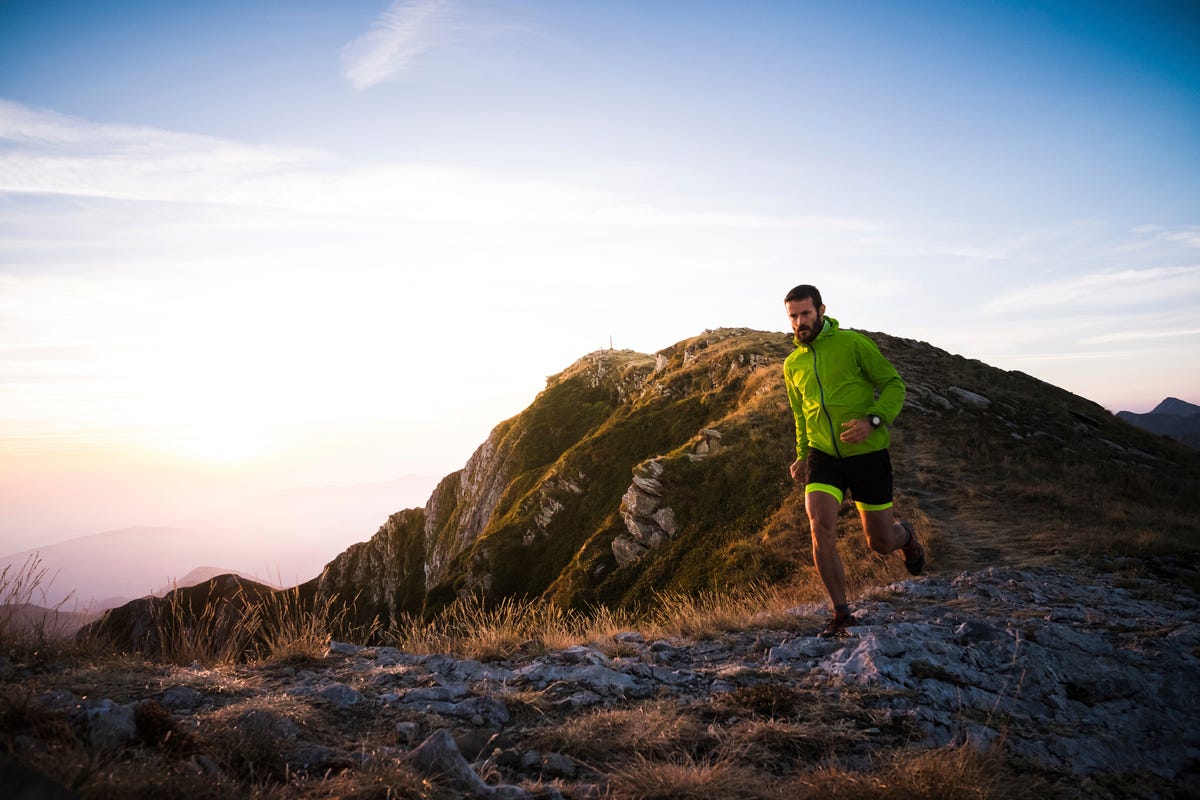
column 803, row 291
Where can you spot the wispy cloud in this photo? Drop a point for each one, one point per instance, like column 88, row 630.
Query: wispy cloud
column 50, row 153
column 1135, row 335
column 400, row 34
column 44, row 152
column 1125, row 288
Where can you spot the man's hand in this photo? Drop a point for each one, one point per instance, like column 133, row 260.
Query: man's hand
column 799, row 470
column 856, row 430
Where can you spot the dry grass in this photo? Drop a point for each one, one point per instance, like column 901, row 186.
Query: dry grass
column 383, row 778
column 950, row 773
column 688, row 778
column 251, row 739
column 469, row 628
column 612, row 736
column 778, row 747
column 278, row 626
column 27, row 622
column 711, row 613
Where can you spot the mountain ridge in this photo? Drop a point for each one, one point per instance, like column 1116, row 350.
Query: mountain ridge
column 633, row 474
column 1175, row 418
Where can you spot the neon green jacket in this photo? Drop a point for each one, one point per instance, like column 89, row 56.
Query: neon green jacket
column 839, row 377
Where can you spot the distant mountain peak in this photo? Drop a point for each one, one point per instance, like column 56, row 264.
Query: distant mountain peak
column 1172, row 417
column 1173, row 405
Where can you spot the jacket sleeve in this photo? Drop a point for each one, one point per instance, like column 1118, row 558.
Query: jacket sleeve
column 884, row 378
column 797, row 404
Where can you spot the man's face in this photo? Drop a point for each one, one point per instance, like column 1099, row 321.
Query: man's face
column 806, row 319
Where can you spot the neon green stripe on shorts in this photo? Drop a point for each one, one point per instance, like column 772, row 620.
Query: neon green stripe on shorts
column 827, row 489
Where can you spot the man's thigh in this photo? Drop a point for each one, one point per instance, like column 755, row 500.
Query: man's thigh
column 822, row 508
column 870, row 478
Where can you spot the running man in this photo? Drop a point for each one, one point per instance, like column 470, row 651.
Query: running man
column 844, row 394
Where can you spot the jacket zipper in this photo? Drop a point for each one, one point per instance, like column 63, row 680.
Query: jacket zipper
column 821, row 391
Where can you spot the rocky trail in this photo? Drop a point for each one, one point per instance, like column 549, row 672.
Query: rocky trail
column 1076, row 673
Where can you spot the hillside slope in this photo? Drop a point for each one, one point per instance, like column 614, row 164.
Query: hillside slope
column 633, row 474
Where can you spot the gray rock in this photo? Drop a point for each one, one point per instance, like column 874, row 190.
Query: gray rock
column 340, row 695
column 604, row 681
column 182, row 698
column 649, row 486
column 626, row 550
column 109, row 726
column 968, row 399
column 439, row 758
column 407, row 731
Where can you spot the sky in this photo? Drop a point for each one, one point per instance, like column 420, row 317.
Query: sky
column 252, row 246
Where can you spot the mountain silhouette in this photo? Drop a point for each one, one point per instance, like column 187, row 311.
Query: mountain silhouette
column 1172, row 417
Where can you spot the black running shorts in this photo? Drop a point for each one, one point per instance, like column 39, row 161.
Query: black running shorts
column 868, row 477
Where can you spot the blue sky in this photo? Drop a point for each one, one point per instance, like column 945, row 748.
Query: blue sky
column 332, row 242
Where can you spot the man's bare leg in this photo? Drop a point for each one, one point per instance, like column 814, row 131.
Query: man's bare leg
column 884, row 534
column 822, row 509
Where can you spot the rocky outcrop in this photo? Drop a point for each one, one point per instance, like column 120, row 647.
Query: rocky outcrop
column 463, row 503
column 648, row 519
column 383, row 577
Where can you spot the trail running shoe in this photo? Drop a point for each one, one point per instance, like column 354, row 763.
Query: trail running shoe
column 836, row 627
column 914, row 553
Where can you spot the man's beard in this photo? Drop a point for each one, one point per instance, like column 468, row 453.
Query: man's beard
column 808, row 336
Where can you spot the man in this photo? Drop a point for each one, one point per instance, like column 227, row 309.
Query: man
column 844, row 395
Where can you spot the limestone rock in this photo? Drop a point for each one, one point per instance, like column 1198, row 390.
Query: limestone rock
column 969, row 399
column 439, row 757
column 384, row 576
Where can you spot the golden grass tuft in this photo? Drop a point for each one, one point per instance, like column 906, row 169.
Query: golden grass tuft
column 608, row 736
column 778, row 746
column 688, row 778
column 469, row 628
column 278, row 626
column 949, row 773
column 27, row 622
column 712, row 613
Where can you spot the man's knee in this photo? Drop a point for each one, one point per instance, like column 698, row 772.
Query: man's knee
column 878, row 525
column 881, row 546
column 823, row 529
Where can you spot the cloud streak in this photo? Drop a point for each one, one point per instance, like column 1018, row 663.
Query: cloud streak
column 397, row 37
column 1102, row 290
column 43, row 152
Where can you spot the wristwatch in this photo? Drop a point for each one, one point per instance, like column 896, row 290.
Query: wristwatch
column 875, row 420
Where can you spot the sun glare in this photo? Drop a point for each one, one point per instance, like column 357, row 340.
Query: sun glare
column 222, row 444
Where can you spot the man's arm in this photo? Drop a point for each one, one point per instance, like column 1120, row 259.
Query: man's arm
column 796, row 401
column 884, row 378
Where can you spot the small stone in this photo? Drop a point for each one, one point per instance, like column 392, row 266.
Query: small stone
column 407, row 731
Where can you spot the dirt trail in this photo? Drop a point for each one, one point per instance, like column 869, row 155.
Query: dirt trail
column 965, row 537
